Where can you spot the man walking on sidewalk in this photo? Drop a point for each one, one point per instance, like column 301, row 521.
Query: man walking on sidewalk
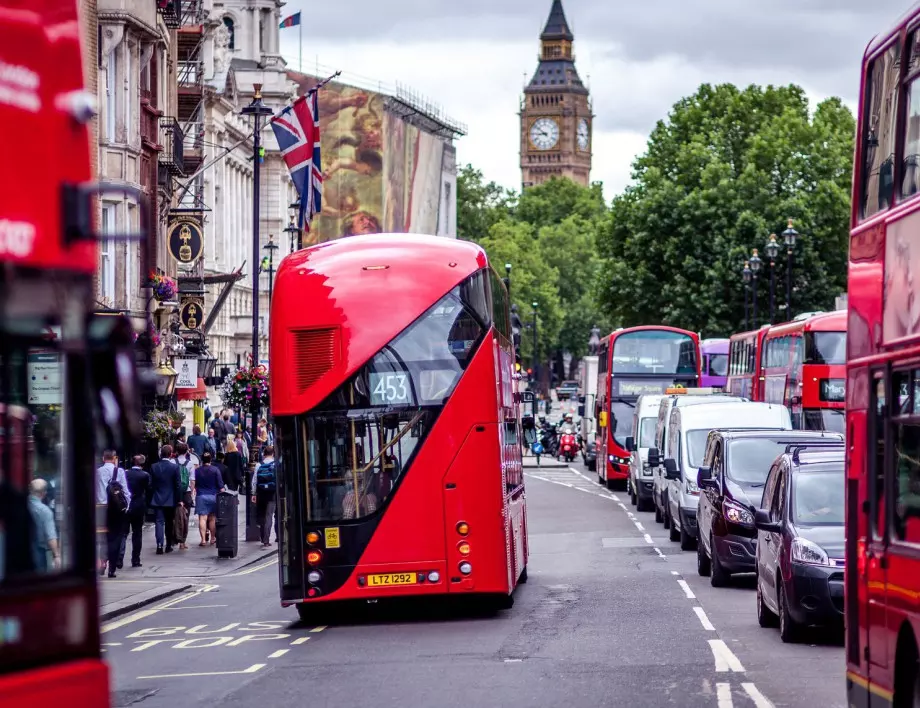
column 263, row 484
column 139, row 486
column 166, row 495
column 107, row 477
column 197, row 442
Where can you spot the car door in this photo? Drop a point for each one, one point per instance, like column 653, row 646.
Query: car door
column 774, row 540
column 706, row 507
column 660, row 439
column 766, row 576
column 673, row 485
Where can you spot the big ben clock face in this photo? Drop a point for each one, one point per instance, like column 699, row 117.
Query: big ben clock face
column 544, row 133
column 583, row 134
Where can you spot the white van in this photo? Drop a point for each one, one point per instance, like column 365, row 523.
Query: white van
column 645, row 422
column 688, row 431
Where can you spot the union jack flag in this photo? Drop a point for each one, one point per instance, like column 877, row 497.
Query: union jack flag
column 297, row 130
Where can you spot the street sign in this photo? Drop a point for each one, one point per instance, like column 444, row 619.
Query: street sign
column 185, row 240
column 188, row 372
column 191, row 314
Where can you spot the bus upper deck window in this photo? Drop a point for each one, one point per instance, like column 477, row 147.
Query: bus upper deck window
column 879, row 122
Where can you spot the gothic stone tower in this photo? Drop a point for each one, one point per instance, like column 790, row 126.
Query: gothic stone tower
column 556, row 111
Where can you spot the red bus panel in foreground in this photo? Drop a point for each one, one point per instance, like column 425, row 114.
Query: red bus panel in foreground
column 393, row 397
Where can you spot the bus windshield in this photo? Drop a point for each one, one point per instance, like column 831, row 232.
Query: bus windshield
column 718, row 364
column 621, row 413
column 654, row 352
column 826, row 347
column 357, row 444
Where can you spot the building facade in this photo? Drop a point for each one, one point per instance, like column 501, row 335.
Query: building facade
column 556, row 117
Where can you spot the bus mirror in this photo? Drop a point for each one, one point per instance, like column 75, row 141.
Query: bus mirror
column 602, row 420
column 114, row 381
column 581, row 411
column 630, row 444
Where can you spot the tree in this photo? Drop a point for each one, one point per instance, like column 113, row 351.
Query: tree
column 726, row 169
column 479, row 204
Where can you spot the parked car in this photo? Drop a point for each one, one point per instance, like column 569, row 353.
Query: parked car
column 659, row 483
column 567, row 390
column 688, row 432
column 731, row 481
column 640, row 482
column 589, row 452
column 800, row 542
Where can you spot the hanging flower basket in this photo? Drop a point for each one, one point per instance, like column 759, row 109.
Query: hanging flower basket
column 157, row 426
column 164, row 287
column 239, row 389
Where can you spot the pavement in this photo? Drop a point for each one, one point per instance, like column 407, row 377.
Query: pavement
column 169, row 574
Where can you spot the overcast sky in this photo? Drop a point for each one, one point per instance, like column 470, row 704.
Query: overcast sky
column 471, row 57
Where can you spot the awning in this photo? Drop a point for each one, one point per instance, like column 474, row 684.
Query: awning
column 199, row 393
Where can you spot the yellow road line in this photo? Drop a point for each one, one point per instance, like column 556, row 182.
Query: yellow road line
column 318, row 629
column 255, row 569
column 109, row 626
column 251, row 670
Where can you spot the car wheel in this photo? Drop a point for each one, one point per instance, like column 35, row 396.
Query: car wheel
column 633, row 497
column 765, row 616
column 642, row 504
column 659, row 517
column 788, row 629
column 686, row 540
column 673, row 533
column 703, row 565
column 719, row 577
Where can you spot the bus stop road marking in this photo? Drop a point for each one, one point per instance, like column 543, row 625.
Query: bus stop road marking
column 251, row 670
column 300, row 640
column 318, row 629
column 109, row 626
column 278, row 654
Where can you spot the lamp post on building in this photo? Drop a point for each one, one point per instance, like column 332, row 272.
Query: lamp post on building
column 772, row 251
column 257, row 110
column 746, row 277
column 269, row 266
column 790, row 235
column 755, row 269
column 294, row 234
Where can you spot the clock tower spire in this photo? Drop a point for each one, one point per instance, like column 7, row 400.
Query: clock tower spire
column 556, row 116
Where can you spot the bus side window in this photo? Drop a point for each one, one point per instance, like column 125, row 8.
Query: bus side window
column 877, row 422
column 910, row 183
column 905, row 477
column 879, row 121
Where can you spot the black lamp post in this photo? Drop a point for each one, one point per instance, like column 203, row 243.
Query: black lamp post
column 269, row 268
column 533, row 357
column 772, row 251
column 293, row 234
column 790, row 235
column 746, row 277
column 508, row 277
column 756, row 263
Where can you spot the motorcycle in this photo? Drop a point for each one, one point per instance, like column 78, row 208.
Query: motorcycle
column 568, row 446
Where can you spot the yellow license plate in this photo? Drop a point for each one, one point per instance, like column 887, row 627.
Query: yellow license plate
column 381, row 579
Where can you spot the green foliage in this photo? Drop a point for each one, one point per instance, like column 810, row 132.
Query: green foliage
column 479, row 205
column 725, row 170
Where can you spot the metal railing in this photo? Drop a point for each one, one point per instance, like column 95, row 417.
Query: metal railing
column 172, row 157
column 194, row 136
column 189, row 74
column 171, row 12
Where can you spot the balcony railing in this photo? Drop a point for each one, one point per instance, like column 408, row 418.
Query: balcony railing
column 171, row 12
column 194, row 136
column 172, row 157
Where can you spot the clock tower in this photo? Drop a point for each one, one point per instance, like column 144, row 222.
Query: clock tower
column 556, row 119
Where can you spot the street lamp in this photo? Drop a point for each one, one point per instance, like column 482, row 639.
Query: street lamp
column 772, row 251
column 746, row 277
column 790, row 235
column 165, row 380
column 755, row 269
column 271, row 247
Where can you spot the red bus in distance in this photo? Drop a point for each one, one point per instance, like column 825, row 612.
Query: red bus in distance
column 882, row 583
column 397, row 421
column 632, row 362
column 804, row 368
column 745, row 375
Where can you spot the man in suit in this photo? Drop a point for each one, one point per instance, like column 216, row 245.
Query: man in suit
column 165, row 496
column 139, row 484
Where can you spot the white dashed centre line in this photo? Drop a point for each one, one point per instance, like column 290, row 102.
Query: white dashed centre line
column 724, row 694
column 760, row 700
column 724, row 657
column 648, row 539
column 704, row 620
column 621, row 505
column 640, row 526
column 300, row 640
column 674, row 572
column 278, row 654
column 686, row 588
column 658, row 551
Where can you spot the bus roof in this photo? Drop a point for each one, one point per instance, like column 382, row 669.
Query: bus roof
column 338, row 303
column 647, row 328
column 822, row 322
column 715, row 346
column 883, row 37
column 749, row 334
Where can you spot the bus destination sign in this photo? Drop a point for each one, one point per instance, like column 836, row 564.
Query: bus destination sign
column 641, row 387
column 833, row 390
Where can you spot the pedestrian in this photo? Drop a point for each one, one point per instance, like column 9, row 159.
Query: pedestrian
column 197, row 442
column 208, row 482
column 139, row 486
column 225, row 428
column 234, row 462
column 112, row 495
column 263, row 432
column 263, row 484
column 242, row 447
column 212, row 441
column 221, row 464
column 45, row 550
column 187, row 468
column 166, row 496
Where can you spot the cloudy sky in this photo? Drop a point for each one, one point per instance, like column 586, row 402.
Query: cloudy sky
column 473, row 58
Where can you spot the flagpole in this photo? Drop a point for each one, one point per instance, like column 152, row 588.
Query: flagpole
column 300, row 54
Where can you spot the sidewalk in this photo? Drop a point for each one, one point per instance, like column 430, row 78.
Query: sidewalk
column 171, row 573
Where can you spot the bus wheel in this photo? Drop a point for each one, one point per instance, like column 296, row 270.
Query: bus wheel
column 501, row 601
column 308, row 613
column 522, row 578
column 906, row 675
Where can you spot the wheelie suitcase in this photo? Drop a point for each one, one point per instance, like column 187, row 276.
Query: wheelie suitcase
column 228, row 537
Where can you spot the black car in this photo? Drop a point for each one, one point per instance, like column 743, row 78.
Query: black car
column 735, row 468
column 800, row 542
column 589, row 452
column 567, row 390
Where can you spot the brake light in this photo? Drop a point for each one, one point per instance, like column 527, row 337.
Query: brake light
column 314, row 557
column 463, row 528
column 313, row 538
column 464, row 548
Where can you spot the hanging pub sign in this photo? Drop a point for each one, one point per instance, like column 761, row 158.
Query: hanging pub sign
column 191, row 314
column 185, row 240
column 187, row 370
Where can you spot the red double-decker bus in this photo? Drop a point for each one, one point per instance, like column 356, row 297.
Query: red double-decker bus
column 882, row 583
column 804, row 368
column 632, row 362
column 393, row 392
column 745, row 371
column 61, row 370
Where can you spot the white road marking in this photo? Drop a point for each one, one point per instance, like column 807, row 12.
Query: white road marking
column 111, row 644
column 301, row 640
column 251, row 670
column 704, row 620
column 674, row 572
column 724, row 657
column 109, row 626
column 318, row 629
column 648, row 539
column 640, row 526
column 615, row 498
column 630, row 515
column 513, row 661
column 193, row 607
column 658, row 551
column 686, row 588
column 760, row 700
column 724, row 694
column 278, row 654
column 621, row 505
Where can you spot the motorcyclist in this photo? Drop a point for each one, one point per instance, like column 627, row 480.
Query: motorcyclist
column 566, row 422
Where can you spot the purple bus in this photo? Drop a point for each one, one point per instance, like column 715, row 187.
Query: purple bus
column 714, row 366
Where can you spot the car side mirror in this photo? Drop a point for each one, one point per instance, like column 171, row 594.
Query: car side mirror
column 114, row 380
column 763, row 522
column 670, row 468
column 704, row 478
column 630, row 444
column 654, row 457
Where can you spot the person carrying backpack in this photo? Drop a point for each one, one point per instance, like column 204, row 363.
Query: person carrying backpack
column 263, row 486
column 187, row 466
column 113, row 485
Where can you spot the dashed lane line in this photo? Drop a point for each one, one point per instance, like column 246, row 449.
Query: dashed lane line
column 251, row 670
column 300, row 640
column 724, row 695
column 724, row 657
column 648, row 539
column 704, row 620
column 686, row 588
column 318, row 629
column 639, row 526
column 658, row 551
column 760, row 700
column 278, row 654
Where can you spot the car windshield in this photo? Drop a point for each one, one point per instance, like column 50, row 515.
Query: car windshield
column 718, row 364
column 696, row 446
column 654, row 352
column 832, row 419
column 749, row 459
column 818, row 498
column 826, row 347
column 621, row 413
column 568, row 384
column 647, row 432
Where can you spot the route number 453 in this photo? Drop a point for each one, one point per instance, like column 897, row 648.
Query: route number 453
column 389, row 388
